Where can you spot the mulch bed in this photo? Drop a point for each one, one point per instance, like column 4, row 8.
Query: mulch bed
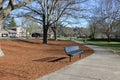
column 30, row 59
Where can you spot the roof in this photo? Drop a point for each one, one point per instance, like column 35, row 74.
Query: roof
column 12, row 31
column 8, row 31
column 4, row 31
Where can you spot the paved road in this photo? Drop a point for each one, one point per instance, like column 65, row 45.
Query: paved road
column 102, row 65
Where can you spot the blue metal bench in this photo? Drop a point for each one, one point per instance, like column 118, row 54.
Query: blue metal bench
column 73, row 50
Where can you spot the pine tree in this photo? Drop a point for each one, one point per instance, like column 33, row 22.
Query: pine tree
column 12, row 23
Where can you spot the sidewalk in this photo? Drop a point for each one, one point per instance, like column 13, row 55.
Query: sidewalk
column 102, row 65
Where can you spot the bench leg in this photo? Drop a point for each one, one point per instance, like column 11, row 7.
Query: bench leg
column 70, row 58
column 79, row 55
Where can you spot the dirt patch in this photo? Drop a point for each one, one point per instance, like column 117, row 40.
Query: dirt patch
column 30, row 59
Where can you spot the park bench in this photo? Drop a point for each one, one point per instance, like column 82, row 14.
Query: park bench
column 73, row 50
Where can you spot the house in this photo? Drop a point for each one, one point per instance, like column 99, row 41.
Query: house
column 4, row 33
column 13, row 32
column 20, row 31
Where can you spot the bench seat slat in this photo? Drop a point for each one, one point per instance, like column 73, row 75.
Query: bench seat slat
column 73, row 50
column 72, row 53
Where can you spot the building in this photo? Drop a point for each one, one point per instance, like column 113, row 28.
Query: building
column 4, row 33
column 14, row 32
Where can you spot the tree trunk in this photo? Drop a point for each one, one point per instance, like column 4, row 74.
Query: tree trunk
column 55, row 33
column 45, row 35
column 92, row 36
column 45, row 30
column 109, row 38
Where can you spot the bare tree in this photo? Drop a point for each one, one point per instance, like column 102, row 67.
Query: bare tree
column 93, row 24
column 109, row 11
column 80, row 32
column 54, row 29
column 93, row 21
column 104, row 17
column 67, row 32
column 30, row 25
column 51, row 11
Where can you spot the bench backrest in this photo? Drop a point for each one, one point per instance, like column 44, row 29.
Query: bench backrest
column 71, row 48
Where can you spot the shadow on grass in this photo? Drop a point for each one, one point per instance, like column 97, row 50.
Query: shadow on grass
column 50, row 59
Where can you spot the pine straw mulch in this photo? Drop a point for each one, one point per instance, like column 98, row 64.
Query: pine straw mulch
column 30, row 59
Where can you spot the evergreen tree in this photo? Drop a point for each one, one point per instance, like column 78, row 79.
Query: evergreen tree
column 9, row 22
column 12, row 23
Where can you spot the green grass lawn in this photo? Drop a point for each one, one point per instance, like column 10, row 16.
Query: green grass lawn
column 66, row 38
column 105, row 44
